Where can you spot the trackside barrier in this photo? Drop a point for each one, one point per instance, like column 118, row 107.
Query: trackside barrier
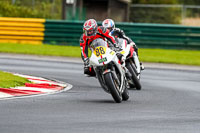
column 163, row 35
column 63, row 32
column 60, row 32
column 144, row 35
column 21, row 30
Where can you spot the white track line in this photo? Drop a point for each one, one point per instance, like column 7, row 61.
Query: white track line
column 43, row 90
column 27, row 76
column 40, row 80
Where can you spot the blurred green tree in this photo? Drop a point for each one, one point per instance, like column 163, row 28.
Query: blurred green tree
column 189, row 2
column 155, row 1
column 49, row 9
column 169, row 15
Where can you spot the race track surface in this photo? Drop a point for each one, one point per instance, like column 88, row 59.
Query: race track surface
column 167, row 103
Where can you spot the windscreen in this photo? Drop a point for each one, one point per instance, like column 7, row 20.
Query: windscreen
column 98, row 42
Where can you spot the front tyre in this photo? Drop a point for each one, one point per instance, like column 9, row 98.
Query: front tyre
column 101, row 81
column 112, row 86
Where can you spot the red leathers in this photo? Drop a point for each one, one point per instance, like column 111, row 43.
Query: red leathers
column 86, row 40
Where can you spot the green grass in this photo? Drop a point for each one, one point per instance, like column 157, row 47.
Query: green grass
column 187, row 57
column 8, row 80
column 51, row 50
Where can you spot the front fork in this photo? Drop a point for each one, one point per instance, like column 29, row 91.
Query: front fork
column 115, row 77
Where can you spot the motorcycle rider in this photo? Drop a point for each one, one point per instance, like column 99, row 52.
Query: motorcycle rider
column 116, row 32
column 91, row 31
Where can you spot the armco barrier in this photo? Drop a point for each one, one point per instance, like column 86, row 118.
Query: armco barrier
column 163, row 35
column 60, row 32
column 63, row 32
column 144, row 35
column 21, row 30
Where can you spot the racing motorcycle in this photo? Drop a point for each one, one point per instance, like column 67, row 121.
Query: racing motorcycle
column 109, row 72
column 132, row 63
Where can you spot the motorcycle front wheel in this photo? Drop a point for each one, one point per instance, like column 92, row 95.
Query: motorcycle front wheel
column 113, row 87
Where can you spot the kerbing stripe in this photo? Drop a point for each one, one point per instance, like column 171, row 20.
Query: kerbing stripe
column 3, row 95
column 42, row 90
column 45, row 86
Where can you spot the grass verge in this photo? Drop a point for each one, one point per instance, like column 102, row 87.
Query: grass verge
column 186, row 57
column 50, row 50
column 8, row 80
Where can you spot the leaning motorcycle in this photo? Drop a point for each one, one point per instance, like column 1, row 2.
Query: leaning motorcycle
column 109, row 71
column 132, row 63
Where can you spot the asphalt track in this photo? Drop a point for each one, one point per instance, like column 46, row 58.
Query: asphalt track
column 168, row 102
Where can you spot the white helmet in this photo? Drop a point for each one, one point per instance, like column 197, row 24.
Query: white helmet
column 109, row 24
column 90, row 28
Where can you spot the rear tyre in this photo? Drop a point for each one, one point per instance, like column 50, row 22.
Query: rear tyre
column 125, row 95
column 135, row 80
column 113, row 87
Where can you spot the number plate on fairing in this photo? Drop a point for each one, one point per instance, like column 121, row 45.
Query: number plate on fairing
column 99, row 51
column 102, row 60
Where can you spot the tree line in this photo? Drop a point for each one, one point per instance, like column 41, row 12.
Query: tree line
column 185, row 2
column 52, row 9
column 156, row 14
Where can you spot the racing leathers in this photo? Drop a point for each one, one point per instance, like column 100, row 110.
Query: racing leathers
column 85, row 42
column 116, row 32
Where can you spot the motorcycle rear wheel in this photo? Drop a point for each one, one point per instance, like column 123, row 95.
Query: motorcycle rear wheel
column 135, row 80
column 125, row 95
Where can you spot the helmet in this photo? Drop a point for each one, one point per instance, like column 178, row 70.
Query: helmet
column 109, row 24
column 90, row 28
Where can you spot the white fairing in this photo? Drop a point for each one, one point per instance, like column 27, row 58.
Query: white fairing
column 137, row 62
column 124, row 46
column 108, row 54
column 126, row 49
column 94, row 59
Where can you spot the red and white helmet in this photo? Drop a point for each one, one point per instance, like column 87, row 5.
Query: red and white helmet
column 109, row 24
column 90, row 28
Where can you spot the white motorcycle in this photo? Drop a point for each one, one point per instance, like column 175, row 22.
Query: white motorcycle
column 132, row 63
column 109, row 71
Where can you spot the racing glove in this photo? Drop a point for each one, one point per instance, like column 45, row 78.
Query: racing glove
column 133, row 44
column 116, row 47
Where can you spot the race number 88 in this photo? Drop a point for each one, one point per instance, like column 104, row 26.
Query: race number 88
column 100, row 51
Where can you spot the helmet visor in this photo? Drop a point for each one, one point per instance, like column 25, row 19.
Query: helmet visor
column 110, row 28
column 90, row 32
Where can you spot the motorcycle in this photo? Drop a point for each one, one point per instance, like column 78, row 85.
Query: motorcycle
column 109, row 71
column 132, row 63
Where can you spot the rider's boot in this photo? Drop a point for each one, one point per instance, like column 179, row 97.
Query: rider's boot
column 89, row 71
column 141, row 66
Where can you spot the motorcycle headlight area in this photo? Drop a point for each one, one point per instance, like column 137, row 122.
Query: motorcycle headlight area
column 102, row 60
